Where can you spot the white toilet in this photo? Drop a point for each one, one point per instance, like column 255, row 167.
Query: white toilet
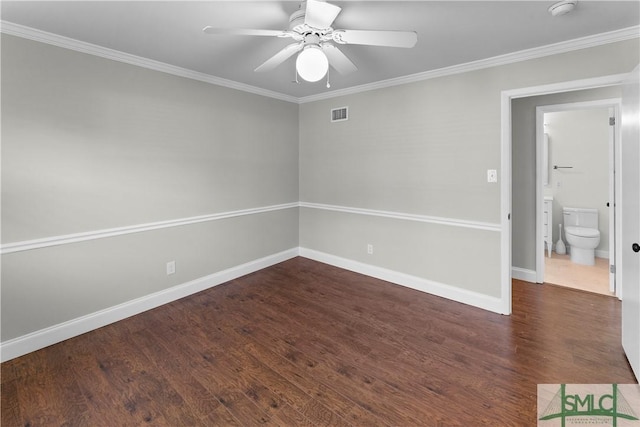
column 582, row 234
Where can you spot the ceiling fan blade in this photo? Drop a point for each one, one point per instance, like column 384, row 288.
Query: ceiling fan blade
column 376, row 38
column 320, row 14
column 246, row 32
column 280, row 57
column 338, row 60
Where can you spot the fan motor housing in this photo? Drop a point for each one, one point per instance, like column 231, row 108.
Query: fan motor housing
column 297, row 24
column 296, row 21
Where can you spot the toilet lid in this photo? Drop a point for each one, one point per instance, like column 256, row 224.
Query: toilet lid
column 582, row 231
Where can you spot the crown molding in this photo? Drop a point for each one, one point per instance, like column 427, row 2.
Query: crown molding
column 103, row 52
column 523, row 55
column 509, row 58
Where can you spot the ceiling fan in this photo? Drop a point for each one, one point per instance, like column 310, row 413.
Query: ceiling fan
column 314, row 38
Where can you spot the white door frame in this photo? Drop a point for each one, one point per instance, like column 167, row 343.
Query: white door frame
column 505, row 164
column 614, row 106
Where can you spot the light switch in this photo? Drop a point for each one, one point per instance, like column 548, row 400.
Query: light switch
column 492, row 175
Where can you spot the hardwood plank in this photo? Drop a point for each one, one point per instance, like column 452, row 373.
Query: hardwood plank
column 103, row 400
column 327, row 371
column 233, row 367
column 196, row 397
column 69, row 398
column 204, row 390
column 343, row 369
column 303, row 343
column 235, row 335
column 128, row 381
column 10, row 413
column 51, row 399
column 213, row 375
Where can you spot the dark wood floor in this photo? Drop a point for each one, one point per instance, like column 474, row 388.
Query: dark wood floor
column 303, row 343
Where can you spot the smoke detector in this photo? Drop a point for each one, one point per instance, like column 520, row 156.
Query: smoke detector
column 562, row 7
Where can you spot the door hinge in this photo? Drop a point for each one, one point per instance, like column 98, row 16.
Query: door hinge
column 612, row 269
column 612, row 121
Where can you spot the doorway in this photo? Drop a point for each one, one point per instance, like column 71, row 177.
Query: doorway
column 577, row 157
column 517, row 262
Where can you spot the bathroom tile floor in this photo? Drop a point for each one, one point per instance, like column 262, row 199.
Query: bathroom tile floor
column 559, row 270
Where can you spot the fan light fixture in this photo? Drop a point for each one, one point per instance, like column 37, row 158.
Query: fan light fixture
column 316, row 43
column 312, row 64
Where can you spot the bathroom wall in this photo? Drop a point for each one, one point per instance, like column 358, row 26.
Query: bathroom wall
column 580, row 139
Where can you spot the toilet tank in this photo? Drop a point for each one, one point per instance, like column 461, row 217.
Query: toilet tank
column 580, row 217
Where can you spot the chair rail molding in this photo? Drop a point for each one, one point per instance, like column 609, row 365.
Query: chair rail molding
column 26, row 245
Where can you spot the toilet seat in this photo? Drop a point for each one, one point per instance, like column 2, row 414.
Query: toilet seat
column 582, row 231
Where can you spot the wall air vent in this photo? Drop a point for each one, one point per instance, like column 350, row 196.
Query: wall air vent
column 340, row 114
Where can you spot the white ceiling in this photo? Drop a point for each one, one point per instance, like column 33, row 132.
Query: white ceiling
column 449, row 33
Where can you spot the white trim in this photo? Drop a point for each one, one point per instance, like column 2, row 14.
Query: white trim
column 115, row 55
column 428, row 286
column 568, row 86
column 489, row 226
column 523, row 55
column 616, row 251
column 45, row 337
column 509, row 58
column 615, row 164
column 505, row 156
column 46, row 242
column 539, row 194
column 505, row 203
column 99, row 234
column 524, row 274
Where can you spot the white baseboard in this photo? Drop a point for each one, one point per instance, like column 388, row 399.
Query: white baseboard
column 524, row 274
column 45, row 337
column 442, row 290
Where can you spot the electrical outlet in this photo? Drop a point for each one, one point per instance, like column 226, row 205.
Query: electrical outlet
column 370, row 249
column 171, row 267
column 492, row 175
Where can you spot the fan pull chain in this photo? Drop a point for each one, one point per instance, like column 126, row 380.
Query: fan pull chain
column 328, row 72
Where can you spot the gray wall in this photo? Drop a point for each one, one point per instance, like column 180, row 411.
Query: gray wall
column 523, row 113
column 91, row 144
column 424, row 149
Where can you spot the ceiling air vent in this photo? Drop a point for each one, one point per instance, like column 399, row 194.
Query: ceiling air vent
column 340, row 114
